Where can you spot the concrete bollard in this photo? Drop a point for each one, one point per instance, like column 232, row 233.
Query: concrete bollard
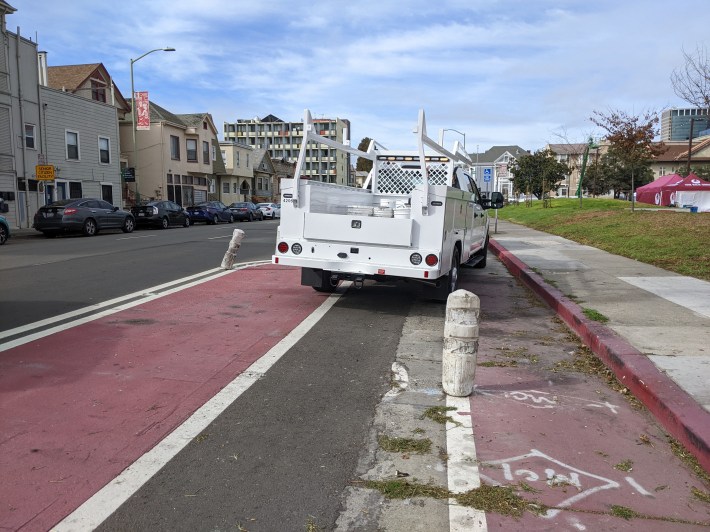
column 460, row 343
column 234, row 244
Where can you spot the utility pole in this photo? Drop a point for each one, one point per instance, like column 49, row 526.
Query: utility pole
column 690, row 146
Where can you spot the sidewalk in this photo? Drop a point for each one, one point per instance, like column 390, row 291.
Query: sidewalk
column 657, row 337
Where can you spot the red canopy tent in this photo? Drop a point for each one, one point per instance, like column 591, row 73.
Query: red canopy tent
column 658, row 192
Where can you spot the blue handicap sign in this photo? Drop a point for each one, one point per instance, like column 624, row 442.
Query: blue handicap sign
column 487, row 175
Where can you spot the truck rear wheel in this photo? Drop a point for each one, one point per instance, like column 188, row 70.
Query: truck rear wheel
column 329, row 289
column 453, row 278
column 318, row 279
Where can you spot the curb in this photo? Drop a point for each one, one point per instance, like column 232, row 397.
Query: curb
column 20, row 234
column 672, row 406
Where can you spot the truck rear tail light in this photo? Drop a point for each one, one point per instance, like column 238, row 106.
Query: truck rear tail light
column 282, row 247
column 296, row 248
column 432, row 260
column 415, row 258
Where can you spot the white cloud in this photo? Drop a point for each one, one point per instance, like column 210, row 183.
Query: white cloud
column 503, row 72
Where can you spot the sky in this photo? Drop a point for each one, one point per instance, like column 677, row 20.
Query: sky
column 507, row 72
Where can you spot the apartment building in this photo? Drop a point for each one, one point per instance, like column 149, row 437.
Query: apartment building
column 20, row 135
column 282, row 140
column 173, row 159
column 572, row 155
column 237, row 182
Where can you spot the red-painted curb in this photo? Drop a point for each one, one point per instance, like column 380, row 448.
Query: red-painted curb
column 679, row 413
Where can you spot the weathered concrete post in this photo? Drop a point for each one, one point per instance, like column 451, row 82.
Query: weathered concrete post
column 234, row 244
column 460, row 343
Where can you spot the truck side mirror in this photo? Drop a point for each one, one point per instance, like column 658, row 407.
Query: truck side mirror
column 496, row 200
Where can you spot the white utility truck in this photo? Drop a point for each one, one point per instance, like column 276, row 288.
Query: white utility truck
column 418, row 217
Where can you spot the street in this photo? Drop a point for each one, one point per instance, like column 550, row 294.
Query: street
column 103, row 422
column 43, row 278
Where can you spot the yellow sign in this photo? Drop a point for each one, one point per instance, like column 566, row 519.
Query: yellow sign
column 44, row 172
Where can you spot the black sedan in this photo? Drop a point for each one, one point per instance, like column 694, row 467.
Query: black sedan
column 211, row 212
column 160, row 213
column 245, row 210
column 84, row 215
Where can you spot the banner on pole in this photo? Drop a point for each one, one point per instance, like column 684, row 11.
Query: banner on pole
column 142, row 110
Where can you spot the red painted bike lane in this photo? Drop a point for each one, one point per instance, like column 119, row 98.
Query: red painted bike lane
column 79, row 406
column 547, row 423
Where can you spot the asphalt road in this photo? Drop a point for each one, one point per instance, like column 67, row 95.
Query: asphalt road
column 42, row 278
column 284, row 453
column 281, row 455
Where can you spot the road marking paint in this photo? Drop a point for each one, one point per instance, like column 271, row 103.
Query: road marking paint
column 134, row 237
column 216, row 237
column 462, row 468
column 638, row 487
column 546, row 473
column 140, row 297
column 107, row 500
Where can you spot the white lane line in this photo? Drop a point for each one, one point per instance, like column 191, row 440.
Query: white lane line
column 144, row 296
column 462, row 467
column 216, row 237
column 134, row 237
column 107, row 500
column 99, row 306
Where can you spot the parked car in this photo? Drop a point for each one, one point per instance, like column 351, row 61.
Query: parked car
column 160, row 213
column 270, row 210
column 246, row 210
column 211, row 212
column 4, row 230
column 85, row 215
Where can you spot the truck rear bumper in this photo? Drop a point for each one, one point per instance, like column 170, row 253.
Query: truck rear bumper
column 350, row 268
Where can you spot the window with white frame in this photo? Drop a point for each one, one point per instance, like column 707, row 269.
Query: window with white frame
column 191, row 150
column 104, row 150
column 72, row 143
column 30, row 136
column 214, row 153
column 225, row 187
column 205, row 152
column 235, row 188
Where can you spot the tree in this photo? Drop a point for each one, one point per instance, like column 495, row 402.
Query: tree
column 631, row 143
column 363, row 164
column 610, row 173
column 691, row 82
column 532, row 171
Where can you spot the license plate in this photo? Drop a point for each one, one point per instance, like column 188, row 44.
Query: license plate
column 49, row 215
column 141, row 214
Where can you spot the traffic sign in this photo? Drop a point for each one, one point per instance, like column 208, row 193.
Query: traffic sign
column 487, row 175
column 44, row 172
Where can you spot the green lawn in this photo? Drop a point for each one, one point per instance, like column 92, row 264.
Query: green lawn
column 673, row 240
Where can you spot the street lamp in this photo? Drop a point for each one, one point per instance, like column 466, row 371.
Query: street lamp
column 455, row 131
column 133, row 114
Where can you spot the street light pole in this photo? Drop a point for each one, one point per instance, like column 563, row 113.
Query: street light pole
column 133, row 115
column 456, row 131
